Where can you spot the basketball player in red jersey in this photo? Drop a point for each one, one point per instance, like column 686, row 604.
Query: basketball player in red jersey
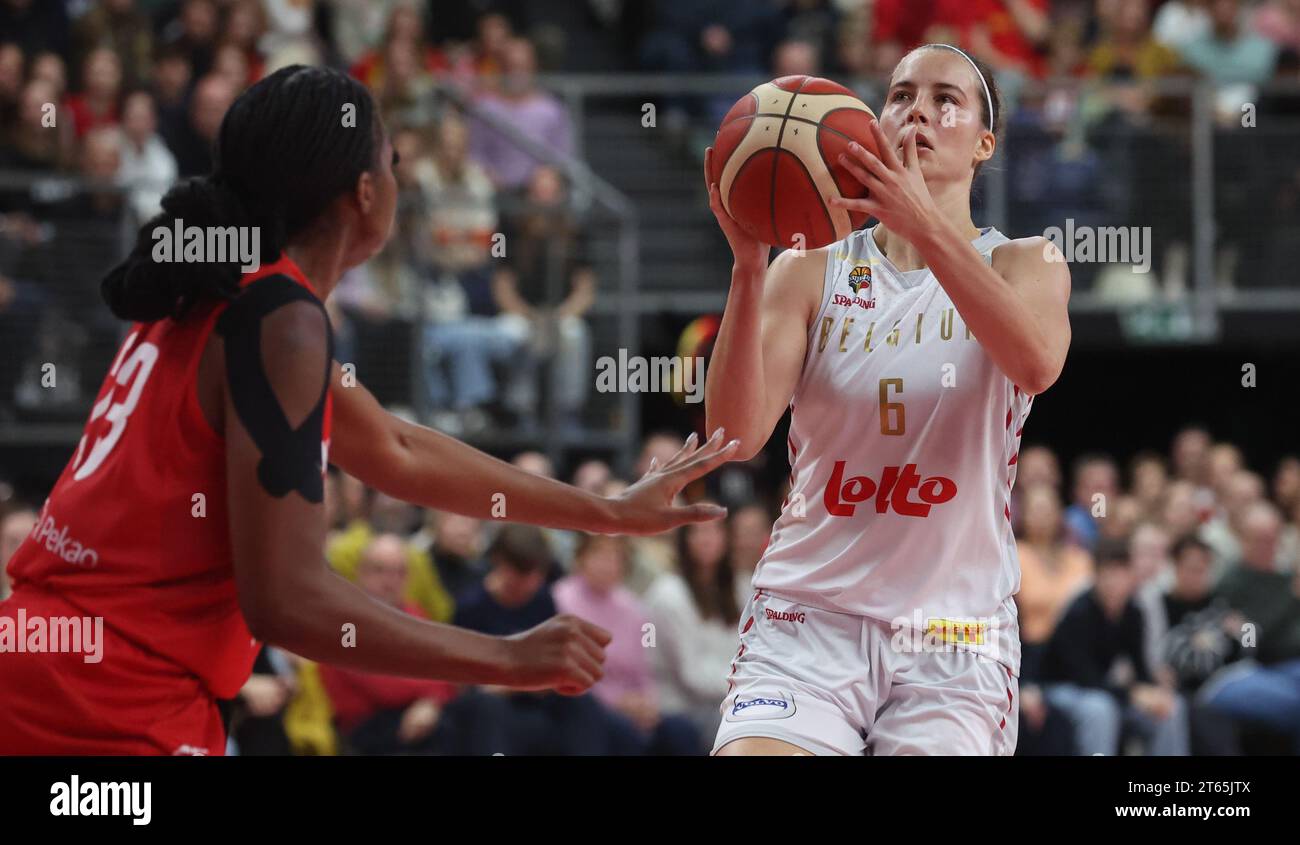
column 190, row 519
column 883, row 619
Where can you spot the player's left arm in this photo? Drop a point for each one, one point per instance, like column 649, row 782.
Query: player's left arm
column 425, row 467
column 1017, row 306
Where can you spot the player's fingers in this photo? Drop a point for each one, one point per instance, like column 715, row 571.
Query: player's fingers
column 705, row 462
column 859, row 172
column 867, row 206
column 577, row 681
column 909, row 150
column 686, row 449
column 883, row 148
column 709, row 446
column 708, row 169
column 584, row 665
column 688, row 514
column 595, row 633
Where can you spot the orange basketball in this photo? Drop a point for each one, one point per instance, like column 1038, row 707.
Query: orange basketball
column 776, row 160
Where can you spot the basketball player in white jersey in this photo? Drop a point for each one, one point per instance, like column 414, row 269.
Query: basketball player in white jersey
column 882, row 620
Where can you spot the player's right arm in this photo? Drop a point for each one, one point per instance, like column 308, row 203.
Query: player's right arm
column 288, row 594
column 763, row 338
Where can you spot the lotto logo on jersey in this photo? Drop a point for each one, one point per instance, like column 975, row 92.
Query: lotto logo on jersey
column 893, row 491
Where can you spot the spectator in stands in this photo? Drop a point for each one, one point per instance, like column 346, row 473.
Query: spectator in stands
column 512, row 598
column 1265, row 690
column 1126, row 48
column 1191, row 455
column 245, row 25
column 1011, row 35
column 544, row 291
column 51, row 68
column 1052, row 572
column 1179, row 22
column 381, row 714
column 384, row 514
column 749, row 527
column 519, row 103
column 1096, row 493
column 1223, row 530
column 1204, row 636
column 1148, row 547
column 193, row 149
column 172, row 75
column 595, row 592
column 463, row 217
column 454, row 544
column 101, row 89
column 38, row 141
column 1095, row 667
column 256, row 715
column 1149, row 480
column 147, row 167
column 592, row 476
column 120, row 26
column 231, row 63
column 406, row 94
column 14, row 527
column 194, row 32
column 796, row 57
column 404, row 28
column 1232, row 56
column 37, row 25
column 1279, row 22
column 695, row 615
column 11, row 83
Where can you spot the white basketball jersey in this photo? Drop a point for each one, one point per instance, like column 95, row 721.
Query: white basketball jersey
column 903, row 444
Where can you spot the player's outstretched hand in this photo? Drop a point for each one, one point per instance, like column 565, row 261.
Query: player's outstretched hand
column 647, row 506
column 564, row 653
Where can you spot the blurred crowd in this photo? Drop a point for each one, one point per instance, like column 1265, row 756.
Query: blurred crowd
column 1099, row 107
column 1159, row 614
column 104, row 105
column 486, row 287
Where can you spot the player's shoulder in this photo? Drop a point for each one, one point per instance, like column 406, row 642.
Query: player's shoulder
column 1033, row 249
column 1033, row 257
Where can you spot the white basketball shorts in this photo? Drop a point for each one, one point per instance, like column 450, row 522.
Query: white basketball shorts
column 838, row 683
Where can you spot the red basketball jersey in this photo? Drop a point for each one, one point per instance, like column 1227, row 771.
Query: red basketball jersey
column 136, row 529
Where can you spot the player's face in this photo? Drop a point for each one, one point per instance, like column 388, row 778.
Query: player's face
column 936, row 95
column 377, row 197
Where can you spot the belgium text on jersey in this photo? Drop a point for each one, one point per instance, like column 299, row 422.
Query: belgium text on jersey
column 25, row 634
column 181, row 244
column 74, row 798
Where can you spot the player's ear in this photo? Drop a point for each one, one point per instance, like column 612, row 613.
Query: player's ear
column 985, row 146
column 364, row 192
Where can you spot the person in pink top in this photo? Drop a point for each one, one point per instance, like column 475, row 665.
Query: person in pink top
column 595, row 592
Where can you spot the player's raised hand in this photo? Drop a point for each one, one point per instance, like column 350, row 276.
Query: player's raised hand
column 647, row 506
column 897, row 193
column 749, row 252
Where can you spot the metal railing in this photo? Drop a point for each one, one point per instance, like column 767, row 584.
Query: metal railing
column 1198, row 131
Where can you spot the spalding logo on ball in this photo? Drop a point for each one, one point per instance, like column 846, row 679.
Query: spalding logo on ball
column 776, row 160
